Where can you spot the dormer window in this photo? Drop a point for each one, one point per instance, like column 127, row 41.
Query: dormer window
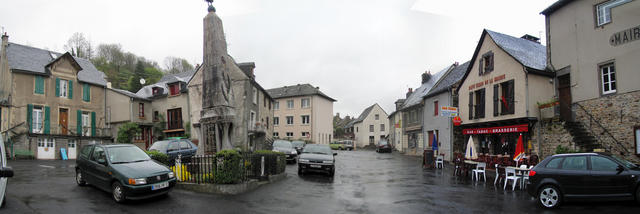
column 174, row 89
column 485, row 64
column 156, row 91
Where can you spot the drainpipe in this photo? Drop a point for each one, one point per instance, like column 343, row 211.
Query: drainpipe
column 451, row 126
column 526, row 83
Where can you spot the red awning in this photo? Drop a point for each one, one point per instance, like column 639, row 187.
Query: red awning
column 497, row 130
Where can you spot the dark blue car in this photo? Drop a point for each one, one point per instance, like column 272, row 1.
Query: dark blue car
column 173, row 147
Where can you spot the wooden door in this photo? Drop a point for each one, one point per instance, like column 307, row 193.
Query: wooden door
column 63, row 121
column 430, row 139
column 564, row 91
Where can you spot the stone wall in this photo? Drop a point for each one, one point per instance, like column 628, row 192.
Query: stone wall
column 618, row 114
column 553, row 134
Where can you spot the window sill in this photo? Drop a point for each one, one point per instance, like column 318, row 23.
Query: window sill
column 142, row 118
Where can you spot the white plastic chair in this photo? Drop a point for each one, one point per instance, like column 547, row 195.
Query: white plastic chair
column 498, row 178
column 480, row 168
column 526, row 176
column 440, row 162
column 510, row 175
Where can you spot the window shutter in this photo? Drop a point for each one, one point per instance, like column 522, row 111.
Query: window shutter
column 47, row 121
column 93, row 123
column 490, row 63
column 39, row 89
column 57, row 87
column 470, row 105
column 496, row 99
column 30, row 117
column 70, row 89
column 86, row 92
column 482, row 103
column 480, row 66
column 511, row 98
column 79, row 123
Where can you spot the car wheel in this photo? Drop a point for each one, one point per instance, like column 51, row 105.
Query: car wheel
column 79, row 179
column 118, row 192
column 549, row 196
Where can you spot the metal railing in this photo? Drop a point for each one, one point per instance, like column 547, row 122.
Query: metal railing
column 592, row 121
column 73, row 131
column 202, row 169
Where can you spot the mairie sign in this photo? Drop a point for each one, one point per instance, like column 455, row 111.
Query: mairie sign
column 625, row 36
column 448, row 111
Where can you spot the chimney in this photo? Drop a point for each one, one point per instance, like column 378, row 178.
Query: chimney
column 531, row 38
column 455, row 64
column 409, row 92
column 425, row 77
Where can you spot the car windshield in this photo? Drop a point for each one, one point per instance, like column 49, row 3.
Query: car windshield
column 159, row 146
column 282, row 144
column 626, row 163
column 383, row 142
column 126, row 154
column 298, row 143
column 317, row 149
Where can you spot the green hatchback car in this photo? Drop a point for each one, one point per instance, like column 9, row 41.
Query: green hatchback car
column 124, row 170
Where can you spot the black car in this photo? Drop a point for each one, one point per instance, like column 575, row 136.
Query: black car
column 383, row 146
column 174, row 147
column 298, row 145
column 583, row 176
column 318, row 158
column 124, row 170
column 287, row 148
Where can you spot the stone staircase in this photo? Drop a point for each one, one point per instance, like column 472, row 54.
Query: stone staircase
column 582, row 137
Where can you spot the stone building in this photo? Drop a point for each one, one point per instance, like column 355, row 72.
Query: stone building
column 371, row 126
column 50, row 101
column 412, row 111
column 499, row 92
column 593, row 47
column 435, row 124
column 125, row 107
column 302, row 112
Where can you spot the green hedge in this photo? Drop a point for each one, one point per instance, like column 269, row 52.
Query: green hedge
column 231, row 170
column 158, row 156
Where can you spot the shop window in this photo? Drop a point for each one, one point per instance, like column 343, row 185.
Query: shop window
column 608, row 78
column 603, row 11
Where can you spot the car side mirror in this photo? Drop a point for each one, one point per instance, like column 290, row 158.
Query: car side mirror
column 335, row 154
column 6, row 172
column 620, row 168
column 102, row 161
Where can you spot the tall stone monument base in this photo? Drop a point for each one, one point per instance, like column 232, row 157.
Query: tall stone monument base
column 216, row 126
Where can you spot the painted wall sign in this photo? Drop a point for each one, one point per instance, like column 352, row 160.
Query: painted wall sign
column 498, row 130
column 448, row 111
column 486, row 82
column 625, row 36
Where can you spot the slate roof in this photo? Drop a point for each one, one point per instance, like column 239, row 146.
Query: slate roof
column 364, row 114
column 297, row 90
column 451, row 78
column 147, row 91
column 128, row 93
column 530, row 54
column 33, row 60
column 416, row 97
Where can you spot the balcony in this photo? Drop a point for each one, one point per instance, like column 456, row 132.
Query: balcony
column 73, row 131
column 257, row 127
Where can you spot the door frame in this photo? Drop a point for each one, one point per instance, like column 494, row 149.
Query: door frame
column 59, row 116
column 567, row 115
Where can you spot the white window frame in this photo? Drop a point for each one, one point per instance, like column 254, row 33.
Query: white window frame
column 377, row 117
column 289, row 122
column 255, row 95
column 603, row 11
column 37, row 119
column 86, row 124
column 382, row 127
column 276, row 105
column 307, row 121
column 64, row 88
column 289, row 134
column 609, row 82
column 305, row 102
column 276, row 121
column 276, row 134
column 290, row 104
column 372, row 128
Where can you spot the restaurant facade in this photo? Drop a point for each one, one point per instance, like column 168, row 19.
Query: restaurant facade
column 498, row 95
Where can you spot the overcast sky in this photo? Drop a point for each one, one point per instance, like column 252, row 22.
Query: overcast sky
column 359, row 52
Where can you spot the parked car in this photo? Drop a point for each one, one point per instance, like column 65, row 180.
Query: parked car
column 383, row 146
column 583, row 176
column 124, row 170
column 318, row 158
column 348, row 145
column 336, row 145
column 298, row 145
column 287, row 148
column 175, row 147
column 5, row 172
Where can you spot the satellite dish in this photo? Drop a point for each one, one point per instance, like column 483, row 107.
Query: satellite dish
column 142, row 81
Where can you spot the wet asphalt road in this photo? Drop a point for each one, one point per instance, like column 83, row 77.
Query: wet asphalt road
column 365, row 182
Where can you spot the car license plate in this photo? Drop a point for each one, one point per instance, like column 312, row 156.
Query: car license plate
column 160, row 186
column 315, row 166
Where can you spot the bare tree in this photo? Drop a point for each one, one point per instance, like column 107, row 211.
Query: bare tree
column 79, row 46
column 174, row 65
